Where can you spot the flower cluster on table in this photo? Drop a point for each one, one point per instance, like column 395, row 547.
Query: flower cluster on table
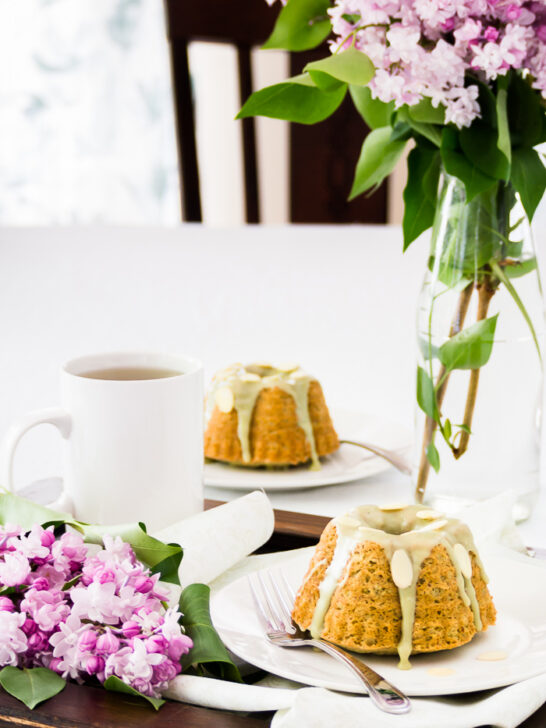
column 85, row 613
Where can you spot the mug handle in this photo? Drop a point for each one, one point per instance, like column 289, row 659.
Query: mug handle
column 51, row 416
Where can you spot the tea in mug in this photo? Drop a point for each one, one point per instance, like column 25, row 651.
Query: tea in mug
column 127, row 374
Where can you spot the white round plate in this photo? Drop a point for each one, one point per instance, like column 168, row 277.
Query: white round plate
column 519, row 592
column 348, row 463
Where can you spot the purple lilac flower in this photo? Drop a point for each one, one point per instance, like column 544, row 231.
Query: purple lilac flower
column 134, row 665
column 14, row 569
column 46, row 607
column 13, row 641
column 6, row 605
column 86, row 615
column 427, row 48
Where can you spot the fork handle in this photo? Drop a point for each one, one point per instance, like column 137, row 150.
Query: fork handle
column 383, row 694
column 396, row 460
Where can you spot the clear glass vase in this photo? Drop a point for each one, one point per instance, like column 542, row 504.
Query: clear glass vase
column 480, row 332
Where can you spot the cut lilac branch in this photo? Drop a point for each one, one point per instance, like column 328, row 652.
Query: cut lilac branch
column 441, row 386
column 486, row 291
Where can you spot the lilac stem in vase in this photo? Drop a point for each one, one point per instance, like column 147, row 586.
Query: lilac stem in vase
column 441, row 387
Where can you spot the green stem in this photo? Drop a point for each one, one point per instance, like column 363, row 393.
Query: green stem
column 442, row 379
column 441, row 384
column 486, row 291
column 501, row 275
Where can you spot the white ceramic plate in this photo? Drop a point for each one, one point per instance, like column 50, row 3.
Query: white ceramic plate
column 519, row 592
column 348, row 463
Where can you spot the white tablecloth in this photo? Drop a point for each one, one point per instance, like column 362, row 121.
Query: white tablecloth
column 340, row 300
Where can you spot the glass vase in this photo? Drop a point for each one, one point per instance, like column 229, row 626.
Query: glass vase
column 480, row 333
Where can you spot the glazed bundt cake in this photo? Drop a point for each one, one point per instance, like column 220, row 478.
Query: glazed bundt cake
column 260, row 414
column 404, row 580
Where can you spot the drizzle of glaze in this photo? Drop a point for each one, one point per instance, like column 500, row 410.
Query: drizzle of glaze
column 397, row 531
column 247, row 381
column 440, row 671
column 492, row 656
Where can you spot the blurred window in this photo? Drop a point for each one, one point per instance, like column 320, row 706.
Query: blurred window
column 86, row 115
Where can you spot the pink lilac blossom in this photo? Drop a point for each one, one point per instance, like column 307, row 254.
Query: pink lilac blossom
column 13, row 641
column 436, row 49
column 86, row 615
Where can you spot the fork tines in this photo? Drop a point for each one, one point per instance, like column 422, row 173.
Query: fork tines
column 273, row 598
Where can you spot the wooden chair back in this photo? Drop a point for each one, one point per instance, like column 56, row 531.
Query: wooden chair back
column 322, row 157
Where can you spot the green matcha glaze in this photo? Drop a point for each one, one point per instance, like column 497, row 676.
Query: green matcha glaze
column 399, row 529
column 246, row 383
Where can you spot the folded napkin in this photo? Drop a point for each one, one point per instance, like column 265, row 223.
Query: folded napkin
column 492, row 523
column 505, row 708
column 224, row 695
column 215, row 540
column 299, row 706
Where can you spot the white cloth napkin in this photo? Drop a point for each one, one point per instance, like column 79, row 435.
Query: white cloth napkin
column 228, row 696
column 299, row 706
column 505, row 708
column 215, row 540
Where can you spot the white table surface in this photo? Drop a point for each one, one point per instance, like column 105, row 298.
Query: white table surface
column 340, row 300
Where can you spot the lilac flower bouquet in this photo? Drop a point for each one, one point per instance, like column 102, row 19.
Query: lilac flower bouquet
column 91, row 613
column 461, row 84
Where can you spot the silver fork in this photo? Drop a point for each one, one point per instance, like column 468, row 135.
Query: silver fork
column 391, row 456
column 273, row 604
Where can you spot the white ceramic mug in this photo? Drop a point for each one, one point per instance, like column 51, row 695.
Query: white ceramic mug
column 133, row 449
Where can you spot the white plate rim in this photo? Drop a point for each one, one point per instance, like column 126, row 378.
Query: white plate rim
column 530, row 667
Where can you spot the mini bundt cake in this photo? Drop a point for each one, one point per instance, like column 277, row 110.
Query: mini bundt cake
column 260, row 414
column 401, row 580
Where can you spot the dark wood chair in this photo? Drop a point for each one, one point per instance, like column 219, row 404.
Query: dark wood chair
column 322, row 157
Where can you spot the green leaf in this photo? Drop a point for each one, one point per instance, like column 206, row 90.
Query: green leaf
column 433, row 456
column 296, row 99
column 479, row 144
column 457, row 164
column 432, row 132
column 401, row 132
column 429, row 131
column 162, row 558
column 528, row 177
column 427, row 350
column 447, row 429
column 350, row 66
column 525, row 112
column 378, row 158
column 115, row 685
column 72, row 582
column 374, row 112
column 431, row 178
column 325, row 82
column 14, row 509
column 31, row 686
column 208, row 649
column 501, row 274
column 504, row 143
column 426, row 398
column 514, row 248
column 487, row 102
column 425, row 112
column 419, row 201
column 471, row 347
column 520, row 268
column 301, row 24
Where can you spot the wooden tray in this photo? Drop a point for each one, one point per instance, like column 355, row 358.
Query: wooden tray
column 87, row 707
